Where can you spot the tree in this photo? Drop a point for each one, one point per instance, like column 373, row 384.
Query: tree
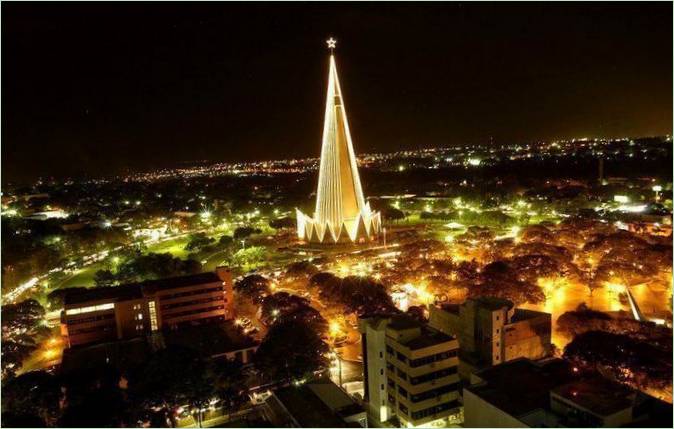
column 500, row 279
column 198, row 241
column 303, row 269
column 364, row 295
column 22, row 316
column 536, row 233
column 14, row 352
column 155, row 266
column 323, row 280
column 226, row 240
column 393, row 214
column 284, row 222
column 93, row 398
column 22, row 328
column 305, row 315
column 34, row 393
column 279, row 304
column 249, row 258
column 228, row 381
column 574, row 323
column 255, row 287
column 170, row 378
column 640, row 364
column 104, row 278
column 245, row 232
column 291, row 350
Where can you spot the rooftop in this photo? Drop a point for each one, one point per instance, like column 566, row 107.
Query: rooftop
column 182, row 281
column 492, row 303
column 136, row 290
column 598, row 395
column 522, row 314
column 403, row 322
column 317, row 404
column 521, row 386
column 427, row 337
column 108, row 293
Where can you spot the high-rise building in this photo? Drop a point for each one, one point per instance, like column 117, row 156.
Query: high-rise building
column 492, row 331
column 341, row 214
column 136, row 309
column 410, row 372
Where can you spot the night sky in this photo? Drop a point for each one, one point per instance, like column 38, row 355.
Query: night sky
column 95, row 89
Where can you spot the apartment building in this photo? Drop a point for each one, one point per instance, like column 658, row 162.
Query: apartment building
column 137, row 309
column 410, row 372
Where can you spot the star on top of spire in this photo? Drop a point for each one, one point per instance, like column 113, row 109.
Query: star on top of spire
column 332, row 43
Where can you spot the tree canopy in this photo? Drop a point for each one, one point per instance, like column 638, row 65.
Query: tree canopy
column 291, row 350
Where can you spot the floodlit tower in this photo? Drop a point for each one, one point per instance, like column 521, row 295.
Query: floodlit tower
column 341, row 213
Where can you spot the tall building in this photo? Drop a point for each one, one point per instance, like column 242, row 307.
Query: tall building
column 410, row 372
column 341, row 213
column 133, row 310
column 492, row 331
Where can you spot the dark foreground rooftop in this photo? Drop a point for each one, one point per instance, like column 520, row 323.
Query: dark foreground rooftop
column 521, row 386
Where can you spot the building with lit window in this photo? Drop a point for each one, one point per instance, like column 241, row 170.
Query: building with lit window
column 341, row 214
column 411, row 372
column 137, row 309
column 492, row 331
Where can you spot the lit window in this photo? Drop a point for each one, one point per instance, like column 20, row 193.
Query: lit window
column 89, row 309
column 153, row 316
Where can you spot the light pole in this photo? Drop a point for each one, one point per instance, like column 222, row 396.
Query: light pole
column 339, row 363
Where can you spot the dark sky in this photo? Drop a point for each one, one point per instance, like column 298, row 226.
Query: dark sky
column 99, row 88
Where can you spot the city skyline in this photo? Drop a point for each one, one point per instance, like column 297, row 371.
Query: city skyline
column 587, row 72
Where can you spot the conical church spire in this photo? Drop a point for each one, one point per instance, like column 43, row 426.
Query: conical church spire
column 341, row 211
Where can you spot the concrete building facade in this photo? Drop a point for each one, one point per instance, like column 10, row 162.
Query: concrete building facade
column 138, row 309
column 492, row 331
column 411, row 372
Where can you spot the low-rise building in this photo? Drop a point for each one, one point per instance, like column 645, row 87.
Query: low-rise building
column 492, row 331
column 319, row 403
column 410, row 372
column 137, row 309
column 524, row 393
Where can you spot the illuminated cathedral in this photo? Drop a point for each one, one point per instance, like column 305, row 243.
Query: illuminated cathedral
column 341, row 214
